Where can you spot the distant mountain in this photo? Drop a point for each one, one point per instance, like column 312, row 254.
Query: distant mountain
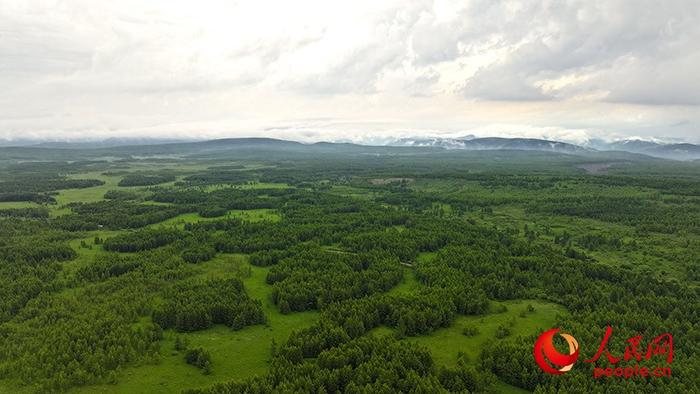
column 674, row 151
column 106, row 143
column 202, row 148
column 447, row 143
column 677, row 151
column 632, row 145
column 279, row 149
column 227, row 147
column 494, row 143
column 20, row 142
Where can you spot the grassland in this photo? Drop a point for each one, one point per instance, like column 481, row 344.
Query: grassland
column 17, row 204
column 251, row 185
column 90, row 194
column 351, row 191
column 253, row 215
column 247, row 352
column 652, row 253
column 235, row 354
column 446, row 343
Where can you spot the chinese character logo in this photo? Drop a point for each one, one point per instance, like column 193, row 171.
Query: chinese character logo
column 552, row 362
column 546, row 354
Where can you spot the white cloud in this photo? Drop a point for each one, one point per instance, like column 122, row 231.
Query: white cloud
column 220, row 68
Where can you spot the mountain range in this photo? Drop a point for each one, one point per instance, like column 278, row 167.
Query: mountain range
column 153, row 147
column 494, row 143
column 675, row 151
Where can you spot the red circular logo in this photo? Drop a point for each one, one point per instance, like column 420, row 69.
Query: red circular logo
column 545, row 353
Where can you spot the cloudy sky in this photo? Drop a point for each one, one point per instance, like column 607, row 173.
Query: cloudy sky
column 349, row 70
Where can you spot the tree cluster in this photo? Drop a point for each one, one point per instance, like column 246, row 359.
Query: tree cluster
column 196, row 305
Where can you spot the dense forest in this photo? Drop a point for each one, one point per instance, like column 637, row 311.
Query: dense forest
column 342, row 272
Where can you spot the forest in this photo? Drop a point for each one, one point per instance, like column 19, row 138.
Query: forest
column 264, row 268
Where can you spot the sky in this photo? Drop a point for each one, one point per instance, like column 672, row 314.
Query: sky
column 361, row 71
